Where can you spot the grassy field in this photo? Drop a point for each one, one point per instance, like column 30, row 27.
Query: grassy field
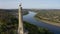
column 49, row 15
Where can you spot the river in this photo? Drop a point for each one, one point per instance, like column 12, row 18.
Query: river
column 30, row 18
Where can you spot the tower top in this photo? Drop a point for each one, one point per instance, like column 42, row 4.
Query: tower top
column 20, row 4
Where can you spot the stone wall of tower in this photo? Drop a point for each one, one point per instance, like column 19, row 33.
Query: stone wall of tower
column 20, row 26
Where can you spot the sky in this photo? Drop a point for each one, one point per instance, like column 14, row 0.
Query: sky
column 9, row 4
column 38, row 4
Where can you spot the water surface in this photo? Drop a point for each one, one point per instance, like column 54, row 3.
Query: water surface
column 30, row 18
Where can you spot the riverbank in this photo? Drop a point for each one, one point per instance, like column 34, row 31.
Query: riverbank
column 32, row 29
column 48, row 22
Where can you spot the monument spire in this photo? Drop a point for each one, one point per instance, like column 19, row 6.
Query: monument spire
column 20, row 26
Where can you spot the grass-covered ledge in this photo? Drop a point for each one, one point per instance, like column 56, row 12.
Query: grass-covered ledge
column 36, row 30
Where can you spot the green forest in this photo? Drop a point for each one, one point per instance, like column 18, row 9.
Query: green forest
column 9, row 25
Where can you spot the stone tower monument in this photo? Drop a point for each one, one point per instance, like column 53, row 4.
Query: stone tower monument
column 20, row 26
